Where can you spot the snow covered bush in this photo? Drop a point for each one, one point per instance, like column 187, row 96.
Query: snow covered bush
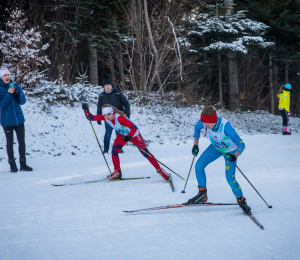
column 21, row 49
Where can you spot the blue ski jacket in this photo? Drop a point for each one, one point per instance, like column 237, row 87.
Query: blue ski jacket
column 11, row 113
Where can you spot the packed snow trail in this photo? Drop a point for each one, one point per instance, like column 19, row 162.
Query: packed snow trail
column 39, row 221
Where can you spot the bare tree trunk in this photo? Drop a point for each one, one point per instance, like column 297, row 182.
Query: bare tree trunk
column 121, row 68
column 219, row 64
column 137, row 56
column 220, row 79
column 111, row 66
column 286, row 71
column 156, row 57
column 232, row 67
column 271, row 81
column 275, row 83
column 93, row 65
column 233, row 82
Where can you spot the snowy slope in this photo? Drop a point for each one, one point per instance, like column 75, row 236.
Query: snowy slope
column 39, row 221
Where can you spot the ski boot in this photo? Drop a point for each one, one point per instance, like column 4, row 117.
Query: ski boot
column 163, row 173
column 243, row 204
column 13, row 166
column 201, row 197
column 117, row 174
column 24, row 166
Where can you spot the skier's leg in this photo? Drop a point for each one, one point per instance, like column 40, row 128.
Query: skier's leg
column 230, row 177
column 140, row 143
column 118, row 144
column 208, row 156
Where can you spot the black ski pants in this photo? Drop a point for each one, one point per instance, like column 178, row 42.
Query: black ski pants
column 9, row 133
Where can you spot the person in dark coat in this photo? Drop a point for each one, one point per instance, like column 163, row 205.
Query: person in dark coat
column 12, row 118
column 114, row 97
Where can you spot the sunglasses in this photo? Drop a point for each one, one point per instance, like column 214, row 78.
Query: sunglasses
column 108, row 114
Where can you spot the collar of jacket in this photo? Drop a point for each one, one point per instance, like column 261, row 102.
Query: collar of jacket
column 2, row 84
column 112, row 90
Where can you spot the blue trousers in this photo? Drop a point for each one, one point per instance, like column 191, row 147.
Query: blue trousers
column 210, row 155
column 107, row 136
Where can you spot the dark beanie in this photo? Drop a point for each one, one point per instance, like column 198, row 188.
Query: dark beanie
column 107, row 81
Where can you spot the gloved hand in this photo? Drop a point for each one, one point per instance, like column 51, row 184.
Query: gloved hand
column 231, row 157
column 85, row 106
column 127, row 137
column 88, row 115
column 289, row 113
column 99, row 123
column 17, row 88
column 195, row 150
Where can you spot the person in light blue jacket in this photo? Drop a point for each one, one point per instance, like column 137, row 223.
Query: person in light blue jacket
column 12, row 118
column 224, row 142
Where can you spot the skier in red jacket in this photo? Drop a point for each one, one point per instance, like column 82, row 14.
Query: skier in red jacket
column 127, row 131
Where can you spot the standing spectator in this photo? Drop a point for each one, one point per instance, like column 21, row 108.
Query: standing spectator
column 12, row 118
column 113, row 97
column 284, row 106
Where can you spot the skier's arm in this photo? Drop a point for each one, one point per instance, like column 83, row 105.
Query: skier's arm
column 231, row 133
column 99, row 118
column 198, row 127
column 125, row 122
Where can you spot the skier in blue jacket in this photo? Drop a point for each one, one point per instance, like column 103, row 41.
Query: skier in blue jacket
column 224, row 142
column 12, row 118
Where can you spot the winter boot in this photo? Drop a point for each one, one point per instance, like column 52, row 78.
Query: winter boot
column 117, row 174
column 286, row 133
column 24, row 166
column 243, row 204
column 105, row 151
column 201, row 197
column 163, row 173
column 13, row 166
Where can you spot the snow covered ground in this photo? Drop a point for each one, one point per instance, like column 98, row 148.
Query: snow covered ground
column 39, row 221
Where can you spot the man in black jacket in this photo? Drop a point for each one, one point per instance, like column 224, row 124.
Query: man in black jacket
column 113, row 97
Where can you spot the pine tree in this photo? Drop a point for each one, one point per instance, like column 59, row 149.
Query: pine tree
column 21, row 49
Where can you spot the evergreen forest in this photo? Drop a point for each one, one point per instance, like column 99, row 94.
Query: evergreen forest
column 229, row 53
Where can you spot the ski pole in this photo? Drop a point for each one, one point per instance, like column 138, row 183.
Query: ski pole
column 269, row 206
column 157, row 160
column 99, row 146
column 188, row 175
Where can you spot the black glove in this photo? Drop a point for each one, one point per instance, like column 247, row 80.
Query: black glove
column 127, row 137
column 99, row 123
column 195, row 150
column 231, row 157
column 85, row 106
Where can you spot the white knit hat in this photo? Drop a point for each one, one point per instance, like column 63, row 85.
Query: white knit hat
column 4, row 71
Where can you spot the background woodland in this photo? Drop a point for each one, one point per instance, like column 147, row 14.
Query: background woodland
column 233, row 54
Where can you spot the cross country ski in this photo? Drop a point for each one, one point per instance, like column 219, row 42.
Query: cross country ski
column 101, row 180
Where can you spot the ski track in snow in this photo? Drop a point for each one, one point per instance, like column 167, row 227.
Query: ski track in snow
column 39, row 221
